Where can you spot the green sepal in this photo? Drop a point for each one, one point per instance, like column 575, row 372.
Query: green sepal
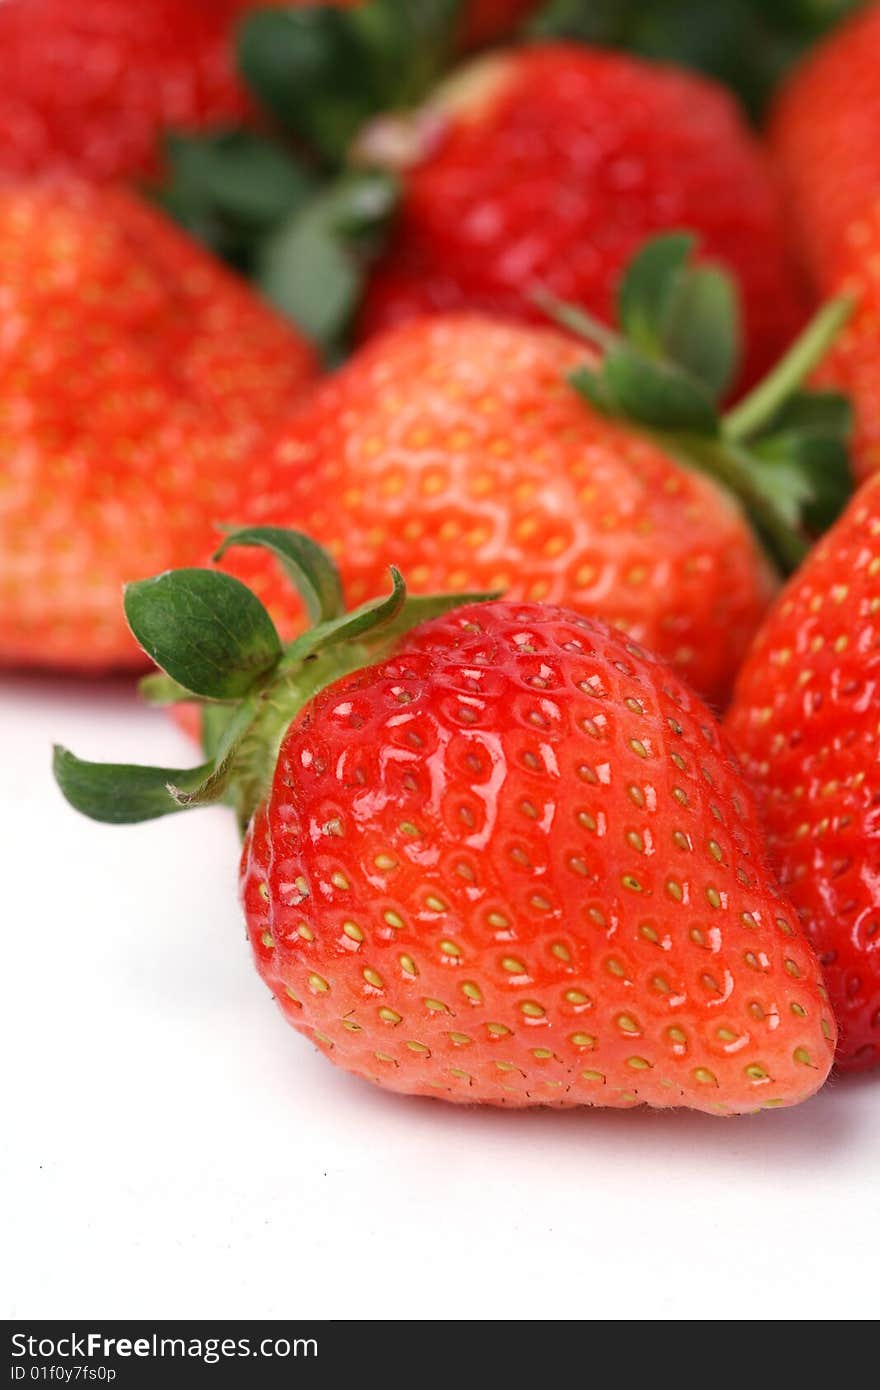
column 160, row 690
column 703, row 332
column 120, row 793
column 657, row 394
column 313, row 265
column 232, row 661
column 682, row 314
column 313, row 70
column 205, row 629
column 230, row 187
column 367, row 619
column 648, row 286
column 309, row 567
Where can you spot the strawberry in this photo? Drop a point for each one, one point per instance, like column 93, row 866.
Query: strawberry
column 853, row 365
column 805, row 719
column 825, row 136
column 89, row 87
column 456, row 447
column 136, row 373
column 497, row 854
column 547, row 166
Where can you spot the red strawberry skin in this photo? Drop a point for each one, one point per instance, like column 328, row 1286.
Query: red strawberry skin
column 88, row 87
column 805, row 719
column 551, row 165
column 137, row 373
column 455, row 449
column 516, row 864
column 853, row 365
column 825, row 137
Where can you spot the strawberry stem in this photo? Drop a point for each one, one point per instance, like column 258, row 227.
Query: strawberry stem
column 758, row 408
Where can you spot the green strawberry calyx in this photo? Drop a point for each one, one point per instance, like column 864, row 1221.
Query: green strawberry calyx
column 782, row 450
column 216, row 645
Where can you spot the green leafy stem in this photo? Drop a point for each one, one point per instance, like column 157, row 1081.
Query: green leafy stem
column 216, row 644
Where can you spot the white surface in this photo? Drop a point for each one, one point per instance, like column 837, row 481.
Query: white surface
column 175, row 1150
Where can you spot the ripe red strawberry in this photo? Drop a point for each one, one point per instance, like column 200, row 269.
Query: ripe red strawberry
column 853, row 365
column 825, row 135
column 90, row 86
column 506, row 858
column 547, row 166
column 136, row 374
column 456, row 448
column 805, row 716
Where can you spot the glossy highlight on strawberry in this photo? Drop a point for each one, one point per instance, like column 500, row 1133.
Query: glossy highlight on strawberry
column 806, row 718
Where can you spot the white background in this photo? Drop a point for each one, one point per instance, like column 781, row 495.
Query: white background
column 175, row 1150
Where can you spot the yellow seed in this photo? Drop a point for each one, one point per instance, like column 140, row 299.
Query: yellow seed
column 436, row 1006
column 318, row 984
column 350, row 1025
column 798, row 1010
column 373, row 978
column 268, row 940
column 461, row 1039
column 576, row 996
column 802, row 1056
column 394, row 920
column 531, row 1009
column 561, row 952
column 385, row 861
column 353, row 931
column 648, row 932
column 593, row 1076
column 714, row 897
column 339, row 880
column 638, row 1063
column 409, row 965
column 461, row 1075
column 631, row 882
column 614, row 967
column 513, row 966
column 676, row 1035
column 582, row 1040
column 543, row 1054
column 472, row 992
column 756, row 1073
column 497, row 919
column 792, row 969
column 305, row 932
column 674, row 890
column 420, row 1048
column 705, row 1077
column 389, row 1016
column 434, row 903
column 498, row 1030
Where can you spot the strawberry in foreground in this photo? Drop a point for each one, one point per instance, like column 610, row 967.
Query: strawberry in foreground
column 806, row 717
column 483, row 455
column 493, row 853
column 136, row 373
column 825, row 137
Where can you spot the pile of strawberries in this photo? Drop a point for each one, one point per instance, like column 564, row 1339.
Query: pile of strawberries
column 456, row 618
